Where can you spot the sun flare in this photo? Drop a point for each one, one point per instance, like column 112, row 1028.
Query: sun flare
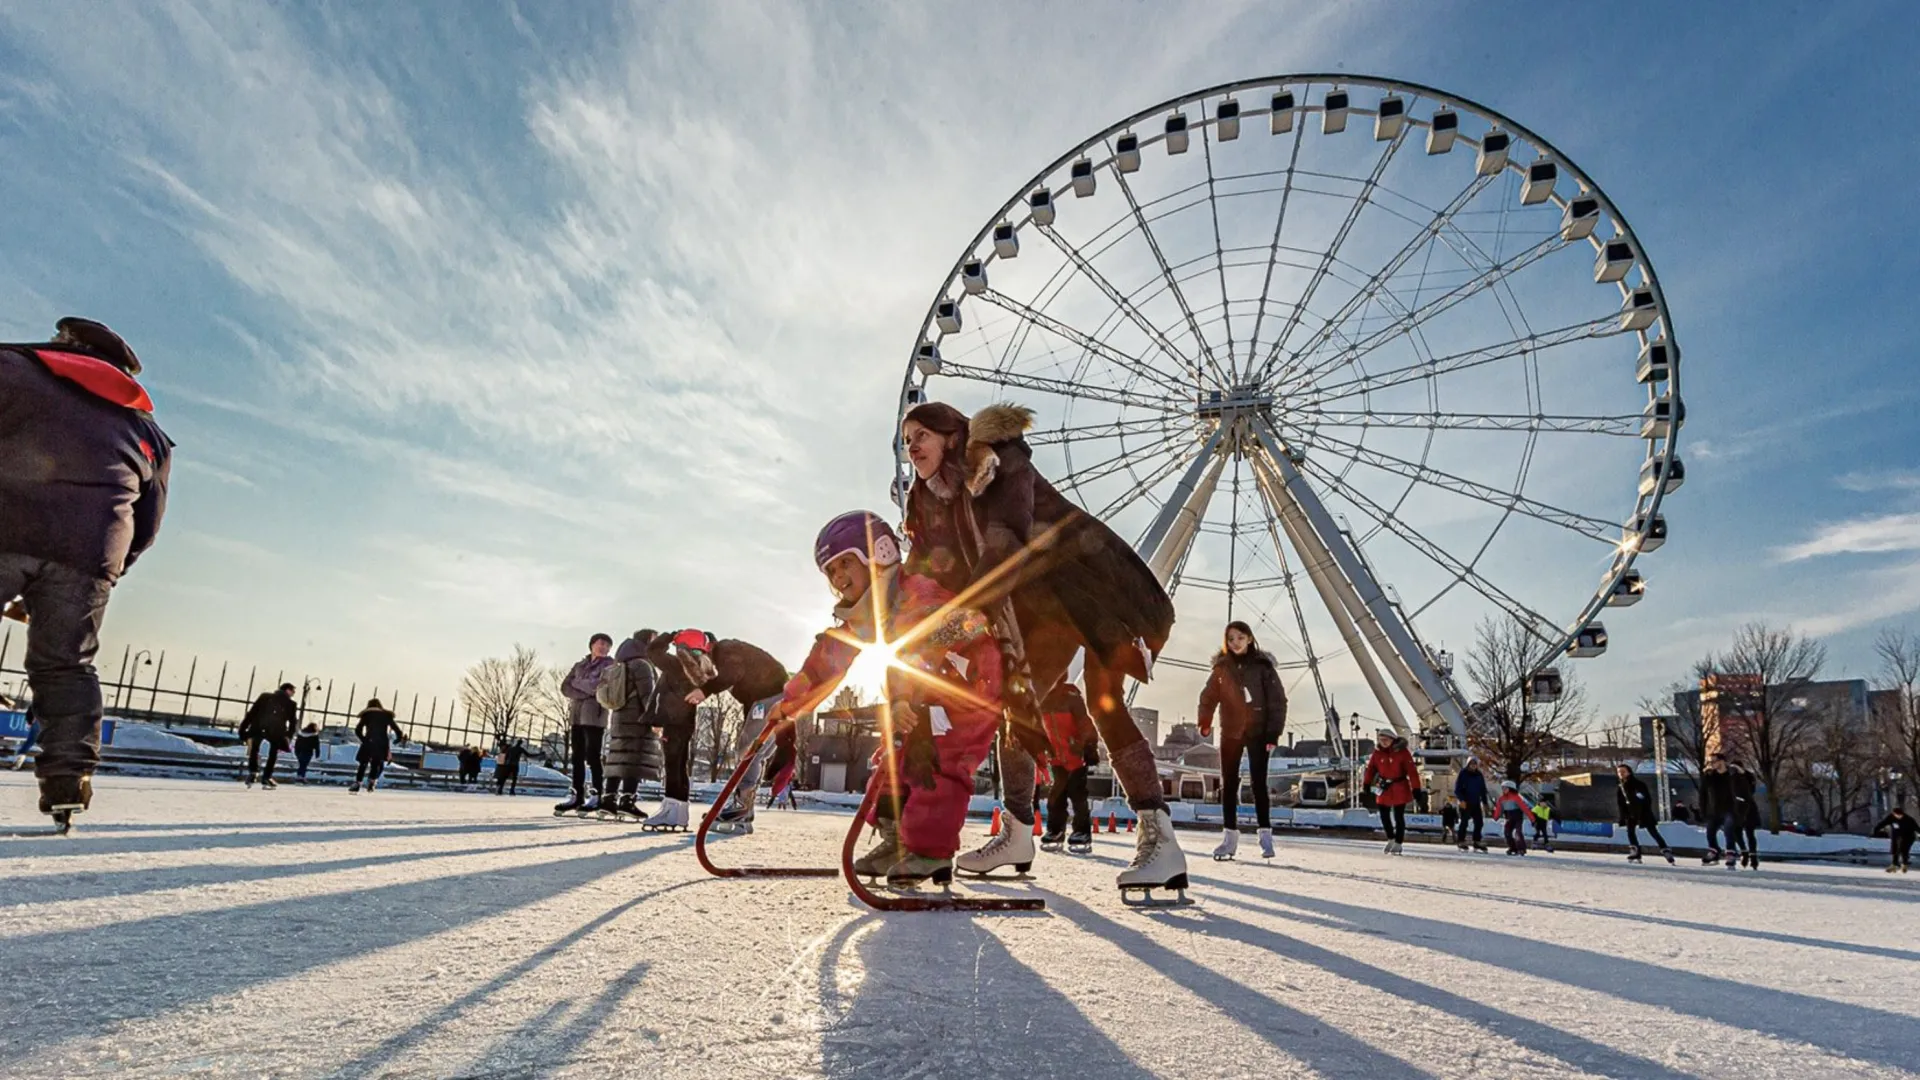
column 869, row 671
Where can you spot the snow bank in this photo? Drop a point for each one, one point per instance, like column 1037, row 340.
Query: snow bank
column 131, row 735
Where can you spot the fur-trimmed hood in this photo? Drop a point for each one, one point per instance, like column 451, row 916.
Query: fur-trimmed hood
column 989, row 427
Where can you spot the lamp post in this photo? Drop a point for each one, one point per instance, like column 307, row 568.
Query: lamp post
column 144, row 656
column 1353, row 765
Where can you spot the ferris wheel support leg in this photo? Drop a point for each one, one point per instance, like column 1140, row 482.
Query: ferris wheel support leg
column 1326, row 579
column 1166, row 541
column 1399, row 650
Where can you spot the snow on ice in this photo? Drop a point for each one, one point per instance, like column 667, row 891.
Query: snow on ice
column 195, row 928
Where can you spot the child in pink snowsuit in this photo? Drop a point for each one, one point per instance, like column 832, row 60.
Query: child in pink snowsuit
column 943, row 693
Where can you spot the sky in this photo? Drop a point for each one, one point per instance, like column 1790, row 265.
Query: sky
column 499, row 323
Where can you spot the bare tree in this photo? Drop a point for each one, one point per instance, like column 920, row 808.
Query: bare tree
column 716, row 728
column 502, row 691
column 1833, row 767
column 1897, row 719
column 1514, row 735
column 1775, row 727
column 1686, row 737
column 550, row 712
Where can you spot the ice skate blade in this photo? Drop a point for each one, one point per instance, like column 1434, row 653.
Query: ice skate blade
column 1223, row 858
column 1079, row 849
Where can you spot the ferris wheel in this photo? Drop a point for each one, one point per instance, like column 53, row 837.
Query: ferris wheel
column 1351, row 359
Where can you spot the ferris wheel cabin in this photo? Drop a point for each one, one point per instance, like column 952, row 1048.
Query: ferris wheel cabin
column 1493, row 153
column 1280, row 121
column 1006, row 242
column 1081, row 174
column 1126, row 153
column 1664, row 416
column 1040, row 206
column 1616, row 258
column 973, row 277
column 926, row 359
column 1177, row 133
column 1591, row 641
column 1334, row 120
column 946, row 315
column 1541, row 176
column 1226, row 120
column 1543, row 687
column 1659, row 474
column 1390, row 118
column 1442, row 130
column 1639, row 310
column 1628, row 590
column 1657, row 358
column 1582, row 214
column 1645, row 534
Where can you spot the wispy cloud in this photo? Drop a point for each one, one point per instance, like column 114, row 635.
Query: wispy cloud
column 1881, row 480
column 1865, row 535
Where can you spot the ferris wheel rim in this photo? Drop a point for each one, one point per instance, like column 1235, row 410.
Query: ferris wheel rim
column 1663, row 448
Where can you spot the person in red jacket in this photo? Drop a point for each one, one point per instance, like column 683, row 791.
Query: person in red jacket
column 943, row 692
column 1393, row 777
column 1073, row 746
column 1514, row 810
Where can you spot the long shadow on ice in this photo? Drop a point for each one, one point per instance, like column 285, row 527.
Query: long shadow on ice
column 1628, row 916
column 1584, row 1054
column 530, row 1044
column 91, row 885
column 1327, row 1050
column 1848, row 1030
column 83, row 845
column 943, row 997
column 98, row 978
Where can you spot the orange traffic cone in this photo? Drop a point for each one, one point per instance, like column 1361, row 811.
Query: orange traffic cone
column 995, row 830
column 1110, row 825
column 1036, row 826
column 1129, row 824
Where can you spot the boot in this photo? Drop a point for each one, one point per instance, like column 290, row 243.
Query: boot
column 1157, row 858
column 268, row 785
column 1667, row 855
column 65, row 793
column 573, row 802
column 1893, row 868
column 1633, row 853
column 591, row 804
column 1052, row 840
column 671, row 815
column 1229, row 845
column 1712, row 856
column 1080, row 843
column 354, row 788
column 883, row 854
column 626, row 806
column 1013, row 847
column 1266, row 843
column 911, row 869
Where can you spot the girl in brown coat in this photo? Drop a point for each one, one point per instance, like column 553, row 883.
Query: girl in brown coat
column 985, row 524
column 1245, row 689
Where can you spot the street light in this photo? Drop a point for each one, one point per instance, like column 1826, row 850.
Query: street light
column 120, row 688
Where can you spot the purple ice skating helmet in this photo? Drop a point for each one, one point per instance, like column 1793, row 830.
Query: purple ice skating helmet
column 861, row 533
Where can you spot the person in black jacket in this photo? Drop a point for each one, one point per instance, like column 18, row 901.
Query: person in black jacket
column 271, row 721
column 1746, row 814
column 83, row 486
column 305, row 746
column 1244, row 687
column 756, row 679
column 1635, row 803
column 1900, row 829
column 1717, row 809
column 374, row 726
column 1470, row 787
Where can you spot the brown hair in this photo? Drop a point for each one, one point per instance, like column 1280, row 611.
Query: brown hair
column 944, row 420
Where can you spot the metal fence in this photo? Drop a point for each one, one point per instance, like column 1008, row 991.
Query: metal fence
column 147, row 688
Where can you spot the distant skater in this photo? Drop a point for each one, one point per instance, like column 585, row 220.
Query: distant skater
column 1900, row 829
column 1513, row 810
column 1470, row 788
column 376, row 724
column 1635, row 803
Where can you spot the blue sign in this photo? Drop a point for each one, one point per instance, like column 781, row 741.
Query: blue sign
column 1582, row 828
column 13, row 725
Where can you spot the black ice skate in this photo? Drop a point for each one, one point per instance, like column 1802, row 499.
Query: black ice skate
column 1667, row 855
column 64, row 796
column 1052, row 841
column 1633, row 854
column 1712, row 856
column 1080, row 843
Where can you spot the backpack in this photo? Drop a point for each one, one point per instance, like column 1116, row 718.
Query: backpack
column 612, row 691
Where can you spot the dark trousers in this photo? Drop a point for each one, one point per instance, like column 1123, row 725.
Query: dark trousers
column 1633, row 836
column 1069, row 789
column 627, row 784
column 585, row 743
column 677, row 780
column 369, row 771
column 253, row 758
column 1394, row 820
column 66, row 607
column 1902, row 851
column 1231, row 746
column 302, row 757
column 1475, row 814
column 1726, row 823
column 1516, row 831
column 505, row 779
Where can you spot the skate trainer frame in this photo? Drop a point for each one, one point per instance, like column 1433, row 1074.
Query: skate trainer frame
column 945, row 901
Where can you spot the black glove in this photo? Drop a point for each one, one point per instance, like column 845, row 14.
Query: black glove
column 920, row 758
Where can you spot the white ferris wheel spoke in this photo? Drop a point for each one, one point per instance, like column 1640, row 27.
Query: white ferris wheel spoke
column 1625, row 425
column 1117, row 429
column 1132, row 364
column 1604, row 326
column 1064, row 389
column 1113, row 294
column 1273, row 248
column 1173, row 283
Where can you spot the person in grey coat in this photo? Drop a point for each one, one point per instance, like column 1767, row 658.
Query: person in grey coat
column 588, row 724
column 633, row 748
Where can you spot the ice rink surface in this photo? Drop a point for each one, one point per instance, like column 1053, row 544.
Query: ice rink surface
column 199, row 928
